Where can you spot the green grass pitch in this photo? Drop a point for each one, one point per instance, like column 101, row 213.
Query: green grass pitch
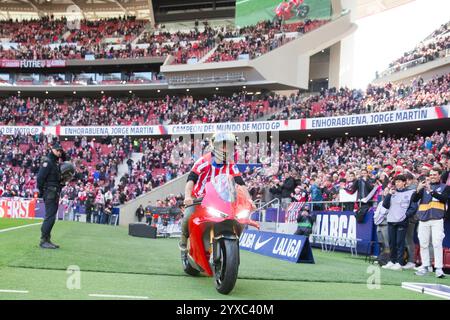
column 11, row 223
column 114, row 263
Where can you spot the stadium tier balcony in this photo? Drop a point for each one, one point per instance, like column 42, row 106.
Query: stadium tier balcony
column 436, row 46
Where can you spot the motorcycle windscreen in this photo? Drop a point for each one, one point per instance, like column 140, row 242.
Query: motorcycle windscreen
column 220, row 193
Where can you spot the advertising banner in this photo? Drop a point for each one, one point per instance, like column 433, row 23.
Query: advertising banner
column 32, row 63
column 17, row 208
column 109, row 131
column 228, row 127
column 14, row 130
column 341, row 226
column 181, row 129
column 378, row 118
column 292, row 248
column 398, row 116
column 262, row 126
column 40, row 210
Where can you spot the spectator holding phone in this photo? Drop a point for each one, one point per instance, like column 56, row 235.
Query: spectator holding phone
column 433, row 195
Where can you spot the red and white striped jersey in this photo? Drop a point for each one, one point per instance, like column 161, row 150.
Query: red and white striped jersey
column 204, row 169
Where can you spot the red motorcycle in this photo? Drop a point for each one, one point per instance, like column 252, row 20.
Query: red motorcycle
column 215, row 227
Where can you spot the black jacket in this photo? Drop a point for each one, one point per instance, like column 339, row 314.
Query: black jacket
column 364, row 187
column 288, row 187
column 276, row 191
column 139, row 212
column 49, row 174
column 444, row 176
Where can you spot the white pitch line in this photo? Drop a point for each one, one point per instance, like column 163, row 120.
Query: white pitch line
column 13, row 291
column 19, row 227
column 116, row 296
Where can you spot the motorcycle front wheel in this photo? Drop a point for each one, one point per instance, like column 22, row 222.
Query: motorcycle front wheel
column 227, row 266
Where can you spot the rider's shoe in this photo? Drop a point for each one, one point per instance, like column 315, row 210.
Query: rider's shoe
column 182, row 245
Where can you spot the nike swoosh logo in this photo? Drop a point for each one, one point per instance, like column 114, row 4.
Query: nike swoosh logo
column 260, row 244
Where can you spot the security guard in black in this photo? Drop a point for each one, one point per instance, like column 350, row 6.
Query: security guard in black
column 49, row 185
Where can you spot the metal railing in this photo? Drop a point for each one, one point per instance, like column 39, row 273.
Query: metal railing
column 329, row 243
column 402, row 67
column 259, row 209
column 215, row 78
column 410, row 64
column 340, row 204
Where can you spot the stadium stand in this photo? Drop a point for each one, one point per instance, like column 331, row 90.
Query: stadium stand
column 237, row 108
column 54, row 39
column 433, row 47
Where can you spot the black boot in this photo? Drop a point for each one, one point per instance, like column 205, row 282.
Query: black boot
column 49, row 241
column 45, row 244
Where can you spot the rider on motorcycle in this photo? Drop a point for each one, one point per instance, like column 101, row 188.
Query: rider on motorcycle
column 218, row 161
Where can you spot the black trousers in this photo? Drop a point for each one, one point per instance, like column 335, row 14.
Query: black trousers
column 88, row 215
column 51, row 209
column 397, row 239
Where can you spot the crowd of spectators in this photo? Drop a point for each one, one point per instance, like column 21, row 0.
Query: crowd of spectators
column 318, row 170
column 259, row 39
column 96, row 164
column 183, row 45
column 376, row 98
column 158, row 165
column 36, row 39
column 433, row 47
column 108, row 110
column 309, row 171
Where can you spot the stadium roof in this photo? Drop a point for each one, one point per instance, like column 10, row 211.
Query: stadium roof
column 89, row 9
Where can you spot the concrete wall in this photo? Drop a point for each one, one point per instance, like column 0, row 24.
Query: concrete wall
column 319, row 66
column 334, row 66
column 341, row 53
column 341, row 63
column 128, row 210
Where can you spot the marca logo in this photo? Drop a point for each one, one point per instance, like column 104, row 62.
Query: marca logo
column 333, row 225
column 287, row 247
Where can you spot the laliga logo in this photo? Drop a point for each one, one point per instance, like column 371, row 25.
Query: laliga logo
column 74, row 16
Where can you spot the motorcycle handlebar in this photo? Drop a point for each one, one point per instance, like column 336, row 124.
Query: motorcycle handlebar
column 195, row 202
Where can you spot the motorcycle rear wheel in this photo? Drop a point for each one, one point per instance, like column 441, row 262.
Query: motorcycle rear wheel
column 226, row 268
